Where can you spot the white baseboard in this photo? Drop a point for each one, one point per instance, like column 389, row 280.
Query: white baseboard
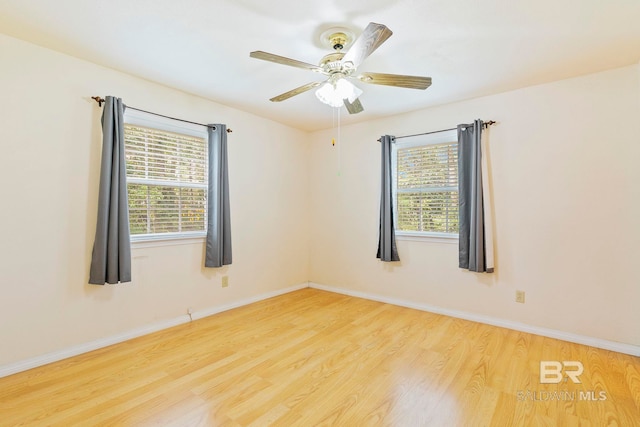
column 619, row 347
column 34, row 362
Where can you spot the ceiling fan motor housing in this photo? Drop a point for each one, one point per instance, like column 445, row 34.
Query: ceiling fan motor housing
column 332, row 64
column 332, row 61
column 337, row 38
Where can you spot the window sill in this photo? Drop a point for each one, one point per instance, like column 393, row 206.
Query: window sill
column 451, row 239
column 156, row 241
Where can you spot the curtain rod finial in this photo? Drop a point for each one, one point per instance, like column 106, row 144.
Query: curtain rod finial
column 98, row 100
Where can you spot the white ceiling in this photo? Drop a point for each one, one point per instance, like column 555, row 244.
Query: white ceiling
column 470, row 48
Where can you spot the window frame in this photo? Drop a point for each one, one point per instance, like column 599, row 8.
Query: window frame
column 419, row 141
column 152, row 121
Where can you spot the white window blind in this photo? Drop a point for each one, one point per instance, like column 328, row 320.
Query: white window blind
column 427, row 188
column 166, row 182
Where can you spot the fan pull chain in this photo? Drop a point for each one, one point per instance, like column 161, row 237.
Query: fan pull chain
column 333, row 126
column 334, row 112
column 339, row 144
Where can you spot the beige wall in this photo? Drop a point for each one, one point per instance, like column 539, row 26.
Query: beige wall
column 565, row 170
column 49, row 167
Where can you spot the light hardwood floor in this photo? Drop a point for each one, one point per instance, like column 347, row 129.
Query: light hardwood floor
column 313, row 358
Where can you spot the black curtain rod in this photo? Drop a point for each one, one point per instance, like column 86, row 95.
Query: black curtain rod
column 484, row 125
column 101, row 100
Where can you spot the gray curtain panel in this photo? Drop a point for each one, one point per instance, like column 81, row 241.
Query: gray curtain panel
column 387, row 250
column 111, row 259
column 472, row 255
column 218, row 252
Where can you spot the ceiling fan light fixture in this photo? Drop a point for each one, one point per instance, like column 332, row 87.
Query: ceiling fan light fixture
column 326, row 95
column 333, row 93
column 347, row 90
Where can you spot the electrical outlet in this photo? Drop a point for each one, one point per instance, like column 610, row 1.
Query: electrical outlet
column 225, row 281
column 520, row 297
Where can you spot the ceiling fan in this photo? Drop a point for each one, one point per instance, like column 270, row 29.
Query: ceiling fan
column 339, row 66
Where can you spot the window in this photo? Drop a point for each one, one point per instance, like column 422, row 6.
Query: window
column 426, row 185
column 166, row 179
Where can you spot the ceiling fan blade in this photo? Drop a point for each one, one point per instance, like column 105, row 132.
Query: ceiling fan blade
column 399, row 80
column 370, row 39
column 265, row 56
column 296, row 91
column 354, row 107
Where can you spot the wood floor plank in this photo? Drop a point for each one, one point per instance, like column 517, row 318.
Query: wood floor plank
column 315, row 358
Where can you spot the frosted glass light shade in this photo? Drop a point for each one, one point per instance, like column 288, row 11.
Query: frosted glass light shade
column 333, row 94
